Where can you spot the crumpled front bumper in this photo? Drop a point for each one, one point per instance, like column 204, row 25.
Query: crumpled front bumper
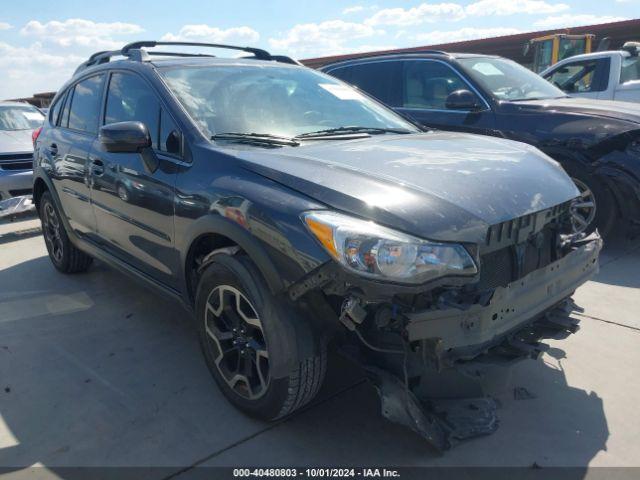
column 460, row 346
column 464, row 334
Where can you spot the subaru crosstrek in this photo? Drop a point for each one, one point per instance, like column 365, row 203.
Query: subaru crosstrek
column 288, row 210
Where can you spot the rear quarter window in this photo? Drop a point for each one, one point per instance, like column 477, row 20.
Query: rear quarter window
column 54, row 112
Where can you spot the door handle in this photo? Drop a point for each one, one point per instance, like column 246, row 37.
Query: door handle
column 97, row 167
column 53, row 148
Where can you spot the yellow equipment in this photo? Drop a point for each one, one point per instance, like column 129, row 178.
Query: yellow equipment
column 550, row 49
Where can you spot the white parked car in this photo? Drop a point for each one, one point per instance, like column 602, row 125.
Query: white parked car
column 610, row 75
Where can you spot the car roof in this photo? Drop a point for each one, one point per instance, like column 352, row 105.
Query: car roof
column 10, row 103
column 587, row 56
column 400, row 55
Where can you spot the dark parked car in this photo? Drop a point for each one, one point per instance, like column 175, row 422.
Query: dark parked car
column 17, row 123
column 597, row 143
column 287, row 210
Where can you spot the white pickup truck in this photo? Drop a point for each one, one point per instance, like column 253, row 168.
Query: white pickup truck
column 609, row 75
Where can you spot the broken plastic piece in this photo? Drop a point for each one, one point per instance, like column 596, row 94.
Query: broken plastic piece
column 441, row 422
column 16, row 206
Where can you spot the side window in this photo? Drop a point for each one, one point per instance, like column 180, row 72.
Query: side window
column 630, row 69
column 170, row 137
column 63, row 121
column 427, row 84
column 55, row 110
column 129, row 98
column 84, row 111
column 581, row 77
column 379, row 79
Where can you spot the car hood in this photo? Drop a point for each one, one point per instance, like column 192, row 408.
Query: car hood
column 438, row 185
column 15, row 141
column 601, row 108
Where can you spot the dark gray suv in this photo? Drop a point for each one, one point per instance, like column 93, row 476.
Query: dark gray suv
column 288, row 211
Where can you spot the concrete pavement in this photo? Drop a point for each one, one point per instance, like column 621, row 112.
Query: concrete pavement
column 96, row 370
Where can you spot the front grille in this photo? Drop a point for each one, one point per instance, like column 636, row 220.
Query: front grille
column 16, row 161
column 517, row 247
column 9, row 166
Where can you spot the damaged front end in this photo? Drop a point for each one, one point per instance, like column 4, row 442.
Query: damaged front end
column 428, row 348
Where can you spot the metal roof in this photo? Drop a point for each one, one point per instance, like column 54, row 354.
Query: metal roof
column 509, row 46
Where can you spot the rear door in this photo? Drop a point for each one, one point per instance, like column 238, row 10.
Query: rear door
column 134, row 206
column 68, row 145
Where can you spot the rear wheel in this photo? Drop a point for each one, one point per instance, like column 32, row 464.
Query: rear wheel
column 63, row 254
column 252, row 342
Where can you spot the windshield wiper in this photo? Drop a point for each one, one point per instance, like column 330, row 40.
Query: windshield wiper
column 330, row 132
column 256, row 138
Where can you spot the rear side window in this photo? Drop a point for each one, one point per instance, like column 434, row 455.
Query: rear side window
column 130, row 99
column 379, row 79
column 84, row 111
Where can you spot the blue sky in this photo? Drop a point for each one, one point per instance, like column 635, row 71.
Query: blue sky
column 41, row 42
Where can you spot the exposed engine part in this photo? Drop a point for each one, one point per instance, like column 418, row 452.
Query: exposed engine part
column 352, row 313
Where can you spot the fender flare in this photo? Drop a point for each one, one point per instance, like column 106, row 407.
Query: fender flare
column 217, row 225
column 56, row 199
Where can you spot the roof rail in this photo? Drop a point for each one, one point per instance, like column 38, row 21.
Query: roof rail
column 364, row 56
column 257, row 52
column 134, row 51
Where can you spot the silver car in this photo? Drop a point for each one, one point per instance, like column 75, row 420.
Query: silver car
column 17, row 123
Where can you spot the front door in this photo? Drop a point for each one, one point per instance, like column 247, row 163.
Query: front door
column 426, row 84
column 134, row 207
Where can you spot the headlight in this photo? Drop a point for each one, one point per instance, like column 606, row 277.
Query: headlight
column 379, row 252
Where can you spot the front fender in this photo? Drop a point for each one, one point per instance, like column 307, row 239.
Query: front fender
column 217, row 225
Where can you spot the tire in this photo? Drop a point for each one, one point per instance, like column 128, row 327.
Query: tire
column 63, row 254
column 284, row 373
column 594, row 191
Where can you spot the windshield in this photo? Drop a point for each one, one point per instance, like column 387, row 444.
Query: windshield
column 20, row 118
column 275, row 100
column 507, row 80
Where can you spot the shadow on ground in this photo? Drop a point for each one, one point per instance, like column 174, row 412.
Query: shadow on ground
column 97, row 371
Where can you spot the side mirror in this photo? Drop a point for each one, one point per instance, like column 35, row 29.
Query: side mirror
column 462, row 100
column 125, row 137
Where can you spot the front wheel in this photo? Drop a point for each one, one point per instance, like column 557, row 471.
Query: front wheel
column 595, row 208
column 253, row 342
